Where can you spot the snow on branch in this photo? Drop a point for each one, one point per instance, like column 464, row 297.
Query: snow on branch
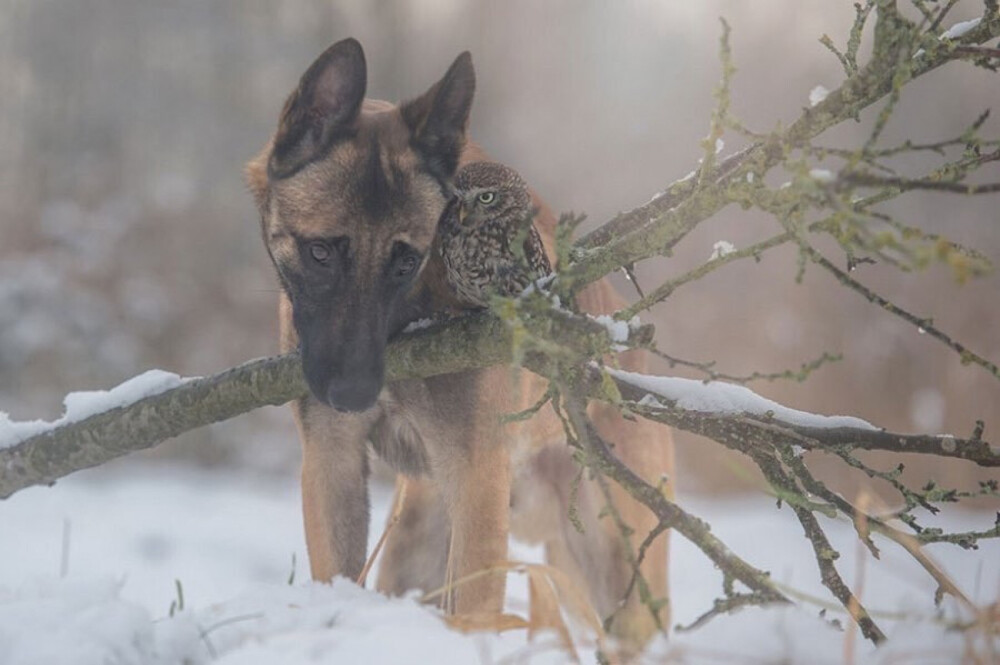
column 708, row 408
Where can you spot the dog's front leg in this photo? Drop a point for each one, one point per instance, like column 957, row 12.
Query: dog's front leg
column 479, row 526
column 334, row 488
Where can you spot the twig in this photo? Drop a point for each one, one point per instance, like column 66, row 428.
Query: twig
column 823, row 550
column 665, row 510
column 722, row 606
column 666, row 289
column 924, row 325
column 707, row 368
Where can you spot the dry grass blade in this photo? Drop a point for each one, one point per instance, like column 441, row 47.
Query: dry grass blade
column 575, row 601
column 551, row 593
column 397, row 509
column 543, row 610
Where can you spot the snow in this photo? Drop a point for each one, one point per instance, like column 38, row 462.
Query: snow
column 954, row 32
column 229, row 540
column 541, row 285
column 47, row 620
column 959, row 29
column 730, row 399
column 81, row 405
column 720, row 249
column 660, row 195
column 618, row 331
column 420, row 324
column 719, row 146
column 688, row 176
column 817, row 95
column 822, row 175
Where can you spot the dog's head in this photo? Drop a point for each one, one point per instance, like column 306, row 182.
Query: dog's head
column 350, row 192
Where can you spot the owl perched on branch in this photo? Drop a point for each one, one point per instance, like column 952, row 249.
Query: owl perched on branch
column 487, row 239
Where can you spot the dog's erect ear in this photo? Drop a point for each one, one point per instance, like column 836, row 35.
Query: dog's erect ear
column 439, row 118
column 324, row 106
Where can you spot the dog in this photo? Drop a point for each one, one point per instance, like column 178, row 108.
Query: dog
column 350, row 192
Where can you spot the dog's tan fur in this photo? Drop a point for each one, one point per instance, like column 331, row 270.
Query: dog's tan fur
column 485, row 479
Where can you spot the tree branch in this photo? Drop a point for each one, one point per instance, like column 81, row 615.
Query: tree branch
column 470, row 342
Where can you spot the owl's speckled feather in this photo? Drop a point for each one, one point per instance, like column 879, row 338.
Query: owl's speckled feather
column 480, row 233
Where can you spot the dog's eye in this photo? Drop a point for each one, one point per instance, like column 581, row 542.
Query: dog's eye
column 406, row 265
column 320, row 252
column 487, row 198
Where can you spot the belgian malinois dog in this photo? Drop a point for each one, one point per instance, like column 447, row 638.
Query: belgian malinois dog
column 350, row 192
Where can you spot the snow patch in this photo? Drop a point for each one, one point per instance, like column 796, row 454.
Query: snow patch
column 719, row 146
column 959, row 29
column 822, row 175
column 82, row 405
column 720, row 249
column 420, row 324
column 233, row 560
column 541, row 285
column 46, row 620
column 817, row 95
column 618, row 331
column 728, row 399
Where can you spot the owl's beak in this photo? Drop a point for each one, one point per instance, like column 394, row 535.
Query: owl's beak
column 462, row 211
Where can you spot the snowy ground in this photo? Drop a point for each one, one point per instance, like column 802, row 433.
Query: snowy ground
column 88, row 570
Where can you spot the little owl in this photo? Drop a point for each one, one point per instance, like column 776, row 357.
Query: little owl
column 487, row 240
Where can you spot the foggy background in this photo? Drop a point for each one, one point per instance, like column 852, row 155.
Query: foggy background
column 128, row 241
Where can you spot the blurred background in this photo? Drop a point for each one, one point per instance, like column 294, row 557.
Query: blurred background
column 128, row 241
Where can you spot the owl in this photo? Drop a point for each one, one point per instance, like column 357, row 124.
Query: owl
column 486, row 237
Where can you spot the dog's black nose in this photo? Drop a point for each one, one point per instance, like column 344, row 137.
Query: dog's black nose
column 357, row 393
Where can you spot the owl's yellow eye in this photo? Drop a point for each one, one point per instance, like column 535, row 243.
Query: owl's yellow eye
column 487, row 198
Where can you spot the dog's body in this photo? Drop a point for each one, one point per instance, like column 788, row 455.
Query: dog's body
column 350, row 192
